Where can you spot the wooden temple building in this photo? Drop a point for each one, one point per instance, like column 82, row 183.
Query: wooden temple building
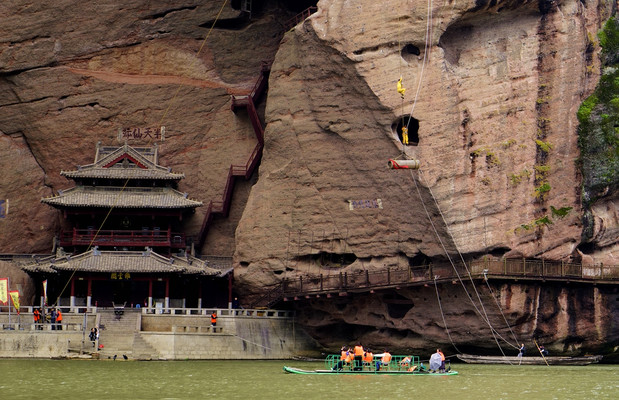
column 122, row 239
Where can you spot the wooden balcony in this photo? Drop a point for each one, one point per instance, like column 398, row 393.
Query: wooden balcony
column 123, row 238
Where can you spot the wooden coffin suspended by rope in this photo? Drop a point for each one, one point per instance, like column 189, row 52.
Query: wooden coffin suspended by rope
column 403, row 164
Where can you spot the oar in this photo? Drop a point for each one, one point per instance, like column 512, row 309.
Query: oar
column 540, row 352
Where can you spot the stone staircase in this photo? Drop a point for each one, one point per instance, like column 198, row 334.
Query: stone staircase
column 142, row 350
column 110, row 322
column 120, row 336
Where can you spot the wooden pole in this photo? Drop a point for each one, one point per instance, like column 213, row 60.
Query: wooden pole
column 540, row 352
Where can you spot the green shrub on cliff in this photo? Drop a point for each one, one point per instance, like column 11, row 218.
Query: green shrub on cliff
column 599, row 123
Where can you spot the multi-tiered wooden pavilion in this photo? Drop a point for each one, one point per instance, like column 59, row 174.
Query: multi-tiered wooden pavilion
column 122, row 240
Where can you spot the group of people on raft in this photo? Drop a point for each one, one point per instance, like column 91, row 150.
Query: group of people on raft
column 358, row 357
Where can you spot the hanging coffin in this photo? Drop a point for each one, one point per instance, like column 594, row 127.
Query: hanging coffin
column 403, row 164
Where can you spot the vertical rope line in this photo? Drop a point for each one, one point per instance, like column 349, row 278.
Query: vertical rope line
column 483, row 315
column 425, row 59
column 165, row 113
column 438, row 299
column 500, row 309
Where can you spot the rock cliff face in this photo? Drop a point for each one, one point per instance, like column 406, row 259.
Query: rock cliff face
column 567, row 320
column 494, row 93
column 492, row 96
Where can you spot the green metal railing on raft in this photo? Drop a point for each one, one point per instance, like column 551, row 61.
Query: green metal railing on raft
column 397, row 363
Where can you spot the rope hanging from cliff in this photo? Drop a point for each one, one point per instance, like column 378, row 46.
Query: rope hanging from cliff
column 440, row 306
column 401, row 90
column 462, row 260
column 483, row 315
column 423, row 64
column 500, row 309
column 165, row 113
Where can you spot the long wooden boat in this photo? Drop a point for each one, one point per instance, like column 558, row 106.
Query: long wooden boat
column 529, row 360
column 395, row 367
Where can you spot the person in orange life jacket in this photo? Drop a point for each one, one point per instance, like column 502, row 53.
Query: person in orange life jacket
column 214, row 318
column 385, row 359
column 368, row 357
column 340, row 364
column 36, row 314
column 358, row 357
column 59, row 319
column 350, row 357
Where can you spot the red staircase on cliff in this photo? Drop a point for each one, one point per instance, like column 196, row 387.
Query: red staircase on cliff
column 248, row 102
column 300, row 17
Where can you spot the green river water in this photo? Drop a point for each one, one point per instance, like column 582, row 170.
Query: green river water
column 119, row 380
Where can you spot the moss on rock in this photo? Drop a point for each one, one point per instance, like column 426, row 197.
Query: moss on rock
column 599, row 124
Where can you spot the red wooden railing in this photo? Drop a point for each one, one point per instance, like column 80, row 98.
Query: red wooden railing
column 248, row 102
column 300, row 17
column 396, row 277
column 118, row 237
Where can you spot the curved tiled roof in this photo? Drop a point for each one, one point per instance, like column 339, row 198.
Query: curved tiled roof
column 122, row 173
column 126, row 261
column 109, row 166
column 117, row 197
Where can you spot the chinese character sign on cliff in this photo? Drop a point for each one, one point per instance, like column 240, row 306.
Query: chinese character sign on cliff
column 142, row 133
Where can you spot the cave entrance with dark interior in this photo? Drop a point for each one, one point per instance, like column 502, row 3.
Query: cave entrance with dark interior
column 410, row 52
column 413, row 129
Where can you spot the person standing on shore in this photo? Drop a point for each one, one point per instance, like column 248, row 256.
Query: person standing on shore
column 36, row 314
column 214, row 319
column 521, row 351
column 53, row 318
column 59, row 319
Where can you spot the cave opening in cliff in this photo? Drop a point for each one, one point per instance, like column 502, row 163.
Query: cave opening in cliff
column 410, row 52
column 413, row 129
column 419, row 259
column 331, row 260
column 397, row 305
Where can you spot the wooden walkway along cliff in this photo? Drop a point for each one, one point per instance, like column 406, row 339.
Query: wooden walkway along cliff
column 342, row 283
column 249, row 103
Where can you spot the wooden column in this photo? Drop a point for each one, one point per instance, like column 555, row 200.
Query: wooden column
column 72, row 297
column 89, row 293
column 167, row 294
column 150, row 293
column 230, row 289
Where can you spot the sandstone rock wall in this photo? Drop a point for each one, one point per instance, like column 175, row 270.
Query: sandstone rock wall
column 574, row 320
column 495, row 90
column 73, row 74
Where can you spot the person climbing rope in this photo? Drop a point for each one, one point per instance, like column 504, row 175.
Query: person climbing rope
column 401, row 90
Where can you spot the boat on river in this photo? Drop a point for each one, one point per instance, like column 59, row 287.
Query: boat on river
column 399, row 365
column 529, row 360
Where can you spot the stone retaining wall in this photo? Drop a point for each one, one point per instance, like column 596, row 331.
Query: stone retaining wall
column 175, row 337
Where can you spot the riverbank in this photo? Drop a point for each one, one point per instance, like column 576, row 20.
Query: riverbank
column 238, row 335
